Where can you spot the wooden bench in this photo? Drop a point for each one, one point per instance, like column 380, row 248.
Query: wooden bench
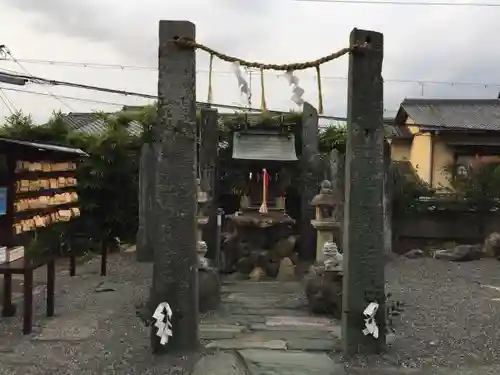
column 25, row 267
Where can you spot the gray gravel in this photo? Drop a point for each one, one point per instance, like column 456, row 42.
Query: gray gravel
column 93, row 332
column 450, row 318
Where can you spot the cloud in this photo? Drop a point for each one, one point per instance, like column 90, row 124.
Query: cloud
column 421, row 43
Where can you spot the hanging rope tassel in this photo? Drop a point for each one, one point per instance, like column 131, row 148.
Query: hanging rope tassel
column 320, row 92
column 210, row 94
column 263, row 104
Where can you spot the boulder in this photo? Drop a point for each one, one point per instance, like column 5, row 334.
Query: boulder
column 324, row 291
column 259, row 257
column 415, row 253
column 272, row 268
column 286, row 270
column 257, row 274
column 284, row 248
column 491, row 245
column 460, row 253
column 209, row 290
column 244, row 265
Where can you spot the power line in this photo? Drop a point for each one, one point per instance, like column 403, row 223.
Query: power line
column 92, row 65
column 8, row 100
column 5, row 100
column 63, row 96
column 203, row 104
column 410, row 3
column 6, row 50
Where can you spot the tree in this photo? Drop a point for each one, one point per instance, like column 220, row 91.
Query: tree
column 333, row 137
column 478, row 184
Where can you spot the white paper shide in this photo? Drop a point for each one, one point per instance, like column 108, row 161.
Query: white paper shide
column 371, row 327
column 163, row 317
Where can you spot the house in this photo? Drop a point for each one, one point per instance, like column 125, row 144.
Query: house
column 435, row 135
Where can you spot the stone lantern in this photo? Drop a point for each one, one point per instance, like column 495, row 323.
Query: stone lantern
column 326, row 221
column 202, row 217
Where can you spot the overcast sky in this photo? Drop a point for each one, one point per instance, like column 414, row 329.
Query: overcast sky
column 422, row 43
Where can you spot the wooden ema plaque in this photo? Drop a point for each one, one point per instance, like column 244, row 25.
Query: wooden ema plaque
column 45, row 193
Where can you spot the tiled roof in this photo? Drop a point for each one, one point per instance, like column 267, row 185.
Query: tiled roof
column 93, row 124
column 470, row 114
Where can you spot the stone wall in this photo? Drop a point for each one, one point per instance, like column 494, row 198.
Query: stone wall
column 420, row 229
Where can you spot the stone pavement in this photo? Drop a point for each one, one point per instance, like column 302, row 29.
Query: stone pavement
column 268, row 326
column 264, row 328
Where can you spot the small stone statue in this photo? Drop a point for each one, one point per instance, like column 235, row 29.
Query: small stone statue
column 202, row 251
column 332, row 258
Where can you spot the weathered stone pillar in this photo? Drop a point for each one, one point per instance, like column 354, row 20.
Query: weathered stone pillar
column 175, row 271
column 309, row 174
column 363, row 235
column 388, row 181
column 145, row 232
column 337, row 172
column 208, row 157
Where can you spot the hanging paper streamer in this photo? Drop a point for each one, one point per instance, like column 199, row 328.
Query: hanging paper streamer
column 210, row 94
column 265, row 184
column 370, row 324
column 297, row 91
column 320, row 92
column 163, row 315
column 242, row 82
column 263, row 104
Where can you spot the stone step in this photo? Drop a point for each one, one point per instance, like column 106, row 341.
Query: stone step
column 264, row 311
column 251, row 341
column 267, row 362
column 232, row 332
column 302, row 321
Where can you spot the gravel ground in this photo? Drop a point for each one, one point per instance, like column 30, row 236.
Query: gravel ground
column 92, row 332
column 451, row 319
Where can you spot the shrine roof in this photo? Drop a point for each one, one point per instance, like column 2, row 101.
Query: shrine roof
column 264, row 145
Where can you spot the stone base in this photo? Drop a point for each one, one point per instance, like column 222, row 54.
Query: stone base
column 209, row 290
column 324, row 292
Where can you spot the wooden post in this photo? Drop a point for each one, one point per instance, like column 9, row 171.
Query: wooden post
column 363, row 235
column 104, row 255
column 175, row 269
column 28, row 300
column 51, row 286
column 208, row 154
column 309, row 175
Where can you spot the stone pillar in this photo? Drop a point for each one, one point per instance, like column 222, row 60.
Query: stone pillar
column 363, row 234
column 388, row 181
column 309, row 176
column 208, row 155
column 337, row 178
column 145, row 232
column 334, row 169
column 175, row 270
